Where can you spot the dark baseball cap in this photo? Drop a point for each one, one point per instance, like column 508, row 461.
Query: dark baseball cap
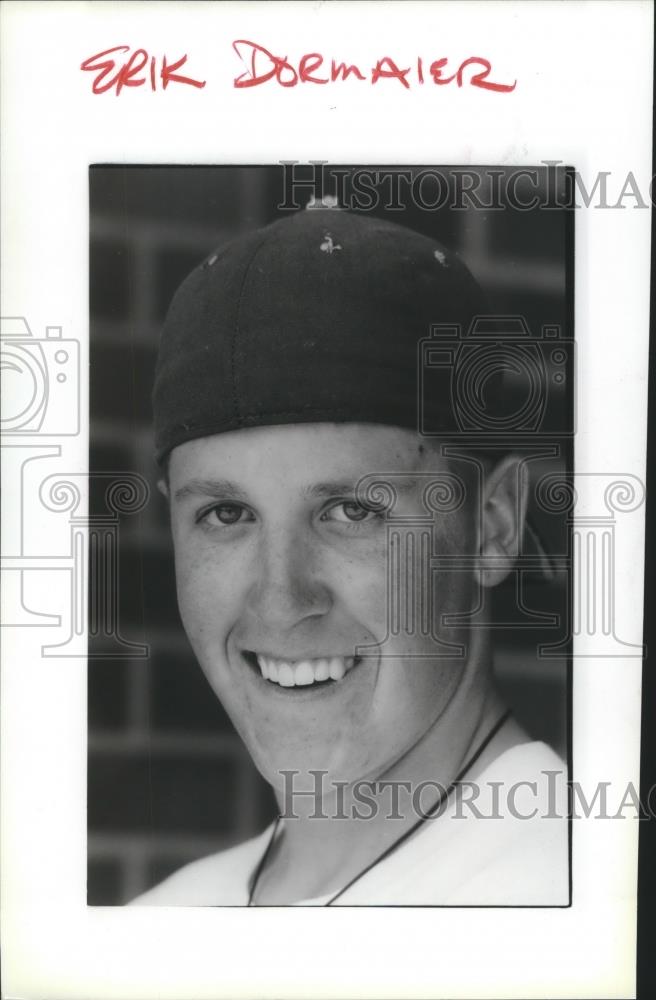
column 316, row 317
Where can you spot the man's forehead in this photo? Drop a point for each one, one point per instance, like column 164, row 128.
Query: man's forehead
column 312, row 456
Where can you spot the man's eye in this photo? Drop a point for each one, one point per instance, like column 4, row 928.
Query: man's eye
column 226, row 514
column 349, row 511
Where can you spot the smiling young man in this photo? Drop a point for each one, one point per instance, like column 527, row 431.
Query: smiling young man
column 287, row 380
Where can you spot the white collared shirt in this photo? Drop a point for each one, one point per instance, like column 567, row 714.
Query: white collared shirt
column 510, row 847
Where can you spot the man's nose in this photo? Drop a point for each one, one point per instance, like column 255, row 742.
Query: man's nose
column 289, row 583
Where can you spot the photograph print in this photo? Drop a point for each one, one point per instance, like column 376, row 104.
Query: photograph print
column 331, row 424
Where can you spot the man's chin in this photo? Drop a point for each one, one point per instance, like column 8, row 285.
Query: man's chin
column 320, row 769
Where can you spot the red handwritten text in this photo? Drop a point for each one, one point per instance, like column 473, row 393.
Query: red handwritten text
column 263, row 66
column 131, row 72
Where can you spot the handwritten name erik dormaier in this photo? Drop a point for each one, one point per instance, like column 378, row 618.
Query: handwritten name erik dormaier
column 121, row 66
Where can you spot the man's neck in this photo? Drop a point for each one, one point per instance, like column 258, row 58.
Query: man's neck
column 325, row 845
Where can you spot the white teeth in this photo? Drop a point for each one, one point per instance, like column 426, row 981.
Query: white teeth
column 321, row 670
column 336, row 668
column 285, row 675
column 304, row 673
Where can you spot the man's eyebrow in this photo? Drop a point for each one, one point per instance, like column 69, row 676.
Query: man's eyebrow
column 349, row 487
column 337, row 487
column 221, row 489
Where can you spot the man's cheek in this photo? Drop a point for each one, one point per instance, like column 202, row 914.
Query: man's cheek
column 368, row 604
column 204, row 598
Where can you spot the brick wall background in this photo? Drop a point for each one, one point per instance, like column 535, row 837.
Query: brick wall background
column 168, row 778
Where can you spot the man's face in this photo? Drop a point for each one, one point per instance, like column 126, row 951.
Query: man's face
column 286, row 596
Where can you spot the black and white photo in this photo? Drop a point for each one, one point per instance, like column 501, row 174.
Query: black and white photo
column 356, row 446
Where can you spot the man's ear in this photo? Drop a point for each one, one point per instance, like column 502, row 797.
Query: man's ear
column 503, row 501
column 163, row 487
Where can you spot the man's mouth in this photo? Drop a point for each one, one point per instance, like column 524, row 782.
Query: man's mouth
column 304, row 673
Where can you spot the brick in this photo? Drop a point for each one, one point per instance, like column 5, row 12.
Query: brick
column 109, row 272
column 182, row 699
column 121, row 381
column 172, row 267
column 107, row 694
column 161, row 794
column 147, row 590
column 189, row 195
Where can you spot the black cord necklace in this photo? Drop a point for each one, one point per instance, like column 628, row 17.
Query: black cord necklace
column 404, row 836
